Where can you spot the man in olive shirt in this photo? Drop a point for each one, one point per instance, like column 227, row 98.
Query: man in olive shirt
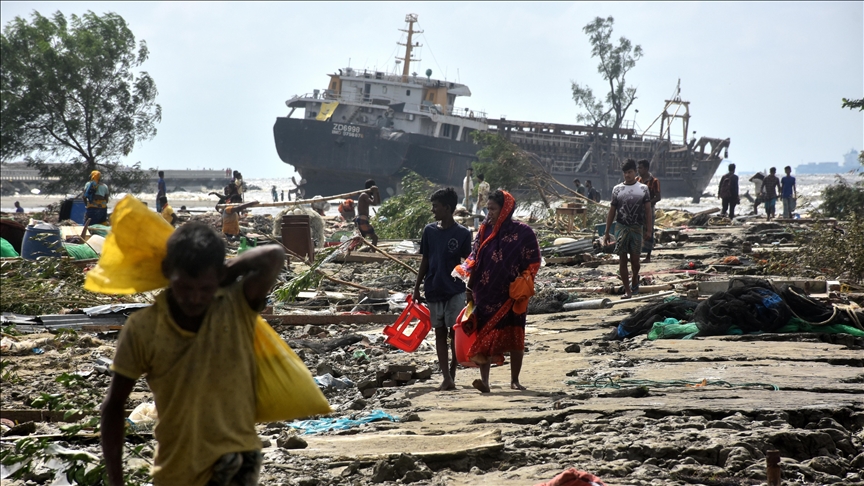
column 195, row 347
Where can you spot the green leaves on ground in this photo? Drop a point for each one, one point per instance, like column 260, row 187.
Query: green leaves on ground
column 406, row 214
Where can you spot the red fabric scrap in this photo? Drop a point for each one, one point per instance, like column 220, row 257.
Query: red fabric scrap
column 574, row 477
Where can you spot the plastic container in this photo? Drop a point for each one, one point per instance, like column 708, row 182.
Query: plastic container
column 41, row 240
column 79, row 210
column 601, row 229
column 96, row 242
column 463, row 342
column 396, row 332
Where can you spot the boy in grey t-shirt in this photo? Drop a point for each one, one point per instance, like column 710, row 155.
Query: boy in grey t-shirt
column 631, row 211
column 443, row 245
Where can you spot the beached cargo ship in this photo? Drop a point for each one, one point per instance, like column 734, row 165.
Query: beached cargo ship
column 371, row 124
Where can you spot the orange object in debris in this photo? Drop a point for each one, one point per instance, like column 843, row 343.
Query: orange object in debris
column 395, row 332
column 462, row 343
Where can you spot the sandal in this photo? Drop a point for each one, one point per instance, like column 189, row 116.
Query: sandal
column 634, row 288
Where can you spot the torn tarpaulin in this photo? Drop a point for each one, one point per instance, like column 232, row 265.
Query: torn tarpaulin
column 325, row 424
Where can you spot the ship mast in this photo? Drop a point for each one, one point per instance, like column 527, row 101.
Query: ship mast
column 410, row 18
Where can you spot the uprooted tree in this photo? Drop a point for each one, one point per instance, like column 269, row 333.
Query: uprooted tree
column 70, row 96
column 607, row 115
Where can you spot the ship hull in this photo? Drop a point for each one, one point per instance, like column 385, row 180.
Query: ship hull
column 337, row 158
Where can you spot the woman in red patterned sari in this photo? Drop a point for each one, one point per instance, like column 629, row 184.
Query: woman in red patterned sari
column 500, row 276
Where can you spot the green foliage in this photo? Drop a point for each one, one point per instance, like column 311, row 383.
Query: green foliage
column 842, row 200
column 824, row 250
column 7, row 372
column 508, row 167
column 615, row 62
column 502, row 163
column 69, row 94
column 48, row 286
column 852, row 104
column 405, row 215
column 82, row 468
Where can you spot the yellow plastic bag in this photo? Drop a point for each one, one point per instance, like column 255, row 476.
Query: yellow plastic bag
column 132, row 254
column 285, row 387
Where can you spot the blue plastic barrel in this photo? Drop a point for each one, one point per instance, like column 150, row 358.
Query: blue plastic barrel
column 41, row 240
column 601, row 229
column 79, row 209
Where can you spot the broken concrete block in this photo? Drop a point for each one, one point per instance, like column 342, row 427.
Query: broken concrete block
column 312, row 330
column 572, row 348
column 410, row 417
column 389, row 383
column 289, row 440
column 366, row 384
column 424, row 374
column 358, row 404
column 383, row 472
column 402, row 376
column 391, row 369
column 369, row 392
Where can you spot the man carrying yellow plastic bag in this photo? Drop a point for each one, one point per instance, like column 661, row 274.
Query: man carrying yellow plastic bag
column 199, row 346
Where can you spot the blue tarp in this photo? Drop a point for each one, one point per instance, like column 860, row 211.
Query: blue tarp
column 325, row 424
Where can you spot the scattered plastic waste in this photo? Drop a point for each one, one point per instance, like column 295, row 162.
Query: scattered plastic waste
column 323, row 425
column 144, row 416
column 329, row 381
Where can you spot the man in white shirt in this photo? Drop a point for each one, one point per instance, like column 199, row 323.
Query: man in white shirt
column 757, row 185
column 467, row 188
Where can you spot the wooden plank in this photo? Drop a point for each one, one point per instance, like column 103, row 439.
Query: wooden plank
column 317, row 319
column 102, row 328
column 563, row 260
column 370, row 258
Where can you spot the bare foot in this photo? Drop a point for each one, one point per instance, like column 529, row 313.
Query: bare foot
column 646, row 260
column 478, row 384
column 516, row 386
column 447, row 385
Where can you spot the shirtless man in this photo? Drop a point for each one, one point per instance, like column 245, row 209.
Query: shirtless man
column 369, row 196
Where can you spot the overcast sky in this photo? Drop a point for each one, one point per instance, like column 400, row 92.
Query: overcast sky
column 769, row 76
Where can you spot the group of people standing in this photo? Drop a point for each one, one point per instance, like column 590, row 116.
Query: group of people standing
column 480, row 191
column 768, row 189
column 588, row 190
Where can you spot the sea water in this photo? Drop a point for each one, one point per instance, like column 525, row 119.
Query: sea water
column 809, row 187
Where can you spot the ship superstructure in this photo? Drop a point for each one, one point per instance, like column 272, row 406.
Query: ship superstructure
column 371, row 124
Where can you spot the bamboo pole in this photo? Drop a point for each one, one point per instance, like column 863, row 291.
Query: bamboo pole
column 379, row 250
column 294, row 203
